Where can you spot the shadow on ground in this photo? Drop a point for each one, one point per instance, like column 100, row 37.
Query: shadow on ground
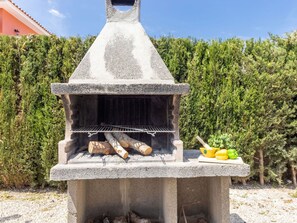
column 8, row 218
column 256, row 186
column 235, row 218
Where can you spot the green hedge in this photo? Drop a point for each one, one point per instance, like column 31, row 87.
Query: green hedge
column 244, row 88
column 31, row 118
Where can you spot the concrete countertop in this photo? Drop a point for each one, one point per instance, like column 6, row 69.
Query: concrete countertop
column 190, row 168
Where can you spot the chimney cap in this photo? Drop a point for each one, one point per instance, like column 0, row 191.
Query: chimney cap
column 123, row 2
column 115, row 15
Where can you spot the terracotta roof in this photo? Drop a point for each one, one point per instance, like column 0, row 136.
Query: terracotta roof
column 29, row 16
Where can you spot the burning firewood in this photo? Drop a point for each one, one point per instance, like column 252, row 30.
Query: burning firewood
column 116, row 145
column 96, row 147
column 136, row 219
column 134, row 144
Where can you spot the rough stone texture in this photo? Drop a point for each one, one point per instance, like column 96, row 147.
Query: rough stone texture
column 119, row 89
column 63, row 155
column 146, row 170
column 122, row 48
column 104, row 197
column 193, row 196
column 122, row 52
column 179, row 151
column 205, row 195
column 76, row 201
column 150, row 198
column 169, row 194
column 191, row 168
column 218, row 195
column 155, row 198
column 68, row 115
column 66, row 149
column 175, row 115
column 67, row 146
column 114, row 15
column 145, row 197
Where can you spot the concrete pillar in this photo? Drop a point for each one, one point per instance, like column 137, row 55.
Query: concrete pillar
column 218, row 193
column 76, row 201
column 170, row 200
column 125, row 195
column 179, row 151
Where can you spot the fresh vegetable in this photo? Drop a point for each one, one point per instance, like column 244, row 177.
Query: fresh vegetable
column 222, row 154
column 232, row 154
column 222, row 141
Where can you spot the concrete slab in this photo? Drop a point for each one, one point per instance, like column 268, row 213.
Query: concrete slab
column 119, row 89
column 191, row 168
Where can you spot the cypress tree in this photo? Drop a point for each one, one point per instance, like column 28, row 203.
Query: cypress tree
column 9, row 106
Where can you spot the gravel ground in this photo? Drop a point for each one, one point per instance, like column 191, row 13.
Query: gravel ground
column 32, row 206
column 251, row 204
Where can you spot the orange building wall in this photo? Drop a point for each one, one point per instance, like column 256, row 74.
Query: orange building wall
column 10, row 23
column 1, row 10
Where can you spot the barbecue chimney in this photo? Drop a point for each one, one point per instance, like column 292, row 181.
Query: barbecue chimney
column 122, row 84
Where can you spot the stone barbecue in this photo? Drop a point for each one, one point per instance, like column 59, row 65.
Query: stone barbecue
column 122, row 88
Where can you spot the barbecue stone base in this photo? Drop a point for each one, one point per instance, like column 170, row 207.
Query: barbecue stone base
column 153, row 190
column 158, row 199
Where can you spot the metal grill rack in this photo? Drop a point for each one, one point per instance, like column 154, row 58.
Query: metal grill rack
column 93, row 130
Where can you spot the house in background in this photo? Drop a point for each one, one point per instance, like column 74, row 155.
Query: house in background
column 15, row 21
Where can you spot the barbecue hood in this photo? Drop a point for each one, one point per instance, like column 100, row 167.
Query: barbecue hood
column 122, row 60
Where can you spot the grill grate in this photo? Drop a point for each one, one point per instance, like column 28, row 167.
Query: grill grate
column 93, row 130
